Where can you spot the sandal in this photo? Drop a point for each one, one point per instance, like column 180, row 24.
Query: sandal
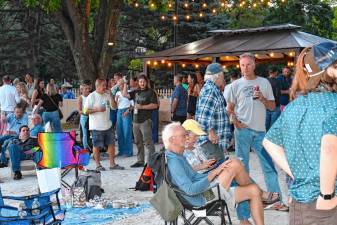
column 100, row 168
column 116, row 167
column 279, row 206
column 272, row 197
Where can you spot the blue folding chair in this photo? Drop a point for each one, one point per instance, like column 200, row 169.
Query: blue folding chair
column 48, row 215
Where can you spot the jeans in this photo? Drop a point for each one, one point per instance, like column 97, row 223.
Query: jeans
column 83, row 121
column 124, row 133
column 54, row 119
column 113, row 117
column 155, row 124
column 3, row 149
column 245, row 139
column 17, row 155
column 271, row 117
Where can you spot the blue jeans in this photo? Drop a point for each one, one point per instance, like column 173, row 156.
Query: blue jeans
column 113, row 117
column 124, row 133
column 83, row 121
column 245, row 139
column 3, row 149
column 17, row 156
column 54, row 119
column 155, row 125
column 271, row 117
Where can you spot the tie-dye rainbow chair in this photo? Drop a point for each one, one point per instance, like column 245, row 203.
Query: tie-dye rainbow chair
column 58, row 150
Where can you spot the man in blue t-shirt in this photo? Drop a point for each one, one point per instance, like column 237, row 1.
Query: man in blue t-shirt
column 179, row 100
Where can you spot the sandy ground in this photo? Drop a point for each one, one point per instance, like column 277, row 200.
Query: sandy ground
column 117, row 186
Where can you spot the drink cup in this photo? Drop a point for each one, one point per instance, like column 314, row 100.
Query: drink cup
column 256, row 90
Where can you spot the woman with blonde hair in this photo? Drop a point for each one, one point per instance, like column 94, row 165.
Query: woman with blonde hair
column 51, row 101
column 303, row 141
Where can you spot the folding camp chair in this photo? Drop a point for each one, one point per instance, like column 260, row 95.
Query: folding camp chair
column 59, row 151
column 48, row 215
column 214, row 208
column 217, row 207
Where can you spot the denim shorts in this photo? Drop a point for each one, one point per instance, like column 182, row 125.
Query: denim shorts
column 102, row 138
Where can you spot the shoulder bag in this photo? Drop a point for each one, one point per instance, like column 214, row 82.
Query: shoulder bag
column 58, row 108
column 165, row 200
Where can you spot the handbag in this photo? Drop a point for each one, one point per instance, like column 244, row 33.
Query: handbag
column 58, row 108
column 165, row 200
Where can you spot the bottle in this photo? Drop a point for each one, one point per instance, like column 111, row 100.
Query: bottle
column 36, row 207
column 68, row 198
column 21, row 210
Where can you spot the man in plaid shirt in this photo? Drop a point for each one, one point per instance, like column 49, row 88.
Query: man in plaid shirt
column 211, row 111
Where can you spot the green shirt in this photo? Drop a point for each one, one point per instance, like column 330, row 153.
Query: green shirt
column 299, row 131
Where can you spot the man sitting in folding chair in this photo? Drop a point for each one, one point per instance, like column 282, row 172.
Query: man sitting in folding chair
column 20, row 149
column 193, row 184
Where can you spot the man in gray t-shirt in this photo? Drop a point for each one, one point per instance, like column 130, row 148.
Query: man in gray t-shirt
column 247, row 101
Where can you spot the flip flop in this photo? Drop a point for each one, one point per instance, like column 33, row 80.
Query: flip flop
column 116, row 167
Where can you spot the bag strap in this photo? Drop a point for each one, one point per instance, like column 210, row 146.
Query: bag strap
column 165, row 174
column 53, row 101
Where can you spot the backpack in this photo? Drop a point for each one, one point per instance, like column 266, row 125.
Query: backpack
column 86, row 187
column 156, row 162
column 145, row 181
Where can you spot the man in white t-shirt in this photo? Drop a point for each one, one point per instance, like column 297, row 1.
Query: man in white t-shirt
column 248, row 99
column 97, row 105
column 9, row 97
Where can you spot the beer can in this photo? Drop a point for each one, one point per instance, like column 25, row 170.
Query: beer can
column 255, row 89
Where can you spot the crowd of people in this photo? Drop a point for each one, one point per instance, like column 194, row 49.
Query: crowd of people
column 286, row 119
column 301, row 137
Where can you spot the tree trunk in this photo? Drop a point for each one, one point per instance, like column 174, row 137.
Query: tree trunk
column 95, row 62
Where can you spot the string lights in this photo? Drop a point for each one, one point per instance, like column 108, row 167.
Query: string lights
column 206, row 7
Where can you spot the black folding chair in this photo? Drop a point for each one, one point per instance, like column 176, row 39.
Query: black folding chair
column 214, row 208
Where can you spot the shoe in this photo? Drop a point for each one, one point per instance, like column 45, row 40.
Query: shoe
column 3, row 165
column 116, row 167
column 100, row 168
column 271, row 198
column 137, row 164
column 17, row 175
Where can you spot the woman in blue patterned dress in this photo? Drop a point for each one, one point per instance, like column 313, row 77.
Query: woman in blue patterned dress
column 303, row 140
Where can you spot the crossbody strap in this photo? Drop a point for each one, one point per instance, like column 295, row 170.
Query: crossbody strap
column 53, row 101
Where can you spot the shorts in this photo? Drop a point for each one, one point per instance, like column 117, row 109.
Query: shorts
column 102, row 138
column 307, row 214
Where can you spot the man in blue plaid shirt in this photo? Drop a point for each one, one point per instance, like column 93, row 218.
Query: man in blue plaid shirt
column 211, row 111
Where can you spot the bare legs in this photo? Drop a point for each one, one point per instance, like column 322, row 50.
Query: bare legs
column 97, row 156
column 328, row 171
column 246, row 190
column 111, row 151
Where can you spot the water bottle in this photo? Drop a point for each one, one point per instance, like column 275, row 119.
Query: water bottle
column 21, row 210
column 68, row 198
column 36, row 207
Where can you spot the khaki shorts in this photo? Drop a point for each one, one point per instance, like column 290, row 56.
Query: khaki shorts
column 307, row 214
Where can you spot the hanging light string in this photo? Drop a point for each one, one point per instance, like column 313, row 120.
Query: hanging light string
column 190, row 9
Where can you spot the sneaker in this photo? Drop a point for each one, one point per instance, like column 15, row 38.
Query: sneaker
column 116, row 167
column 137, row 164
column 17, row 175
column 3, row 165
column 100, row 168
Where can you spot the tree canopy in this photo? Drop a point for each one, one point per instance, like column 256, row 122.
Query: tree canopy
column 92, row 38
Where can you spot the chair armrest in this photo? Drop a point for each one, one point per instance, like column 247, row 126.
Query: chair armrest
column 8, row 207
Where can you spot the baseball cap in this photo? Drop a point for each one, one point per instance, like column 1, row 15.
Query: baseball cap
column 213, row 68
column 319, row 58
column 193, row 126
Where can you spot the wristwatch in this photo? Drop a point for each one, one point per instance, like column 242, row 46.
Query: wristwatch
column 327, row 197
